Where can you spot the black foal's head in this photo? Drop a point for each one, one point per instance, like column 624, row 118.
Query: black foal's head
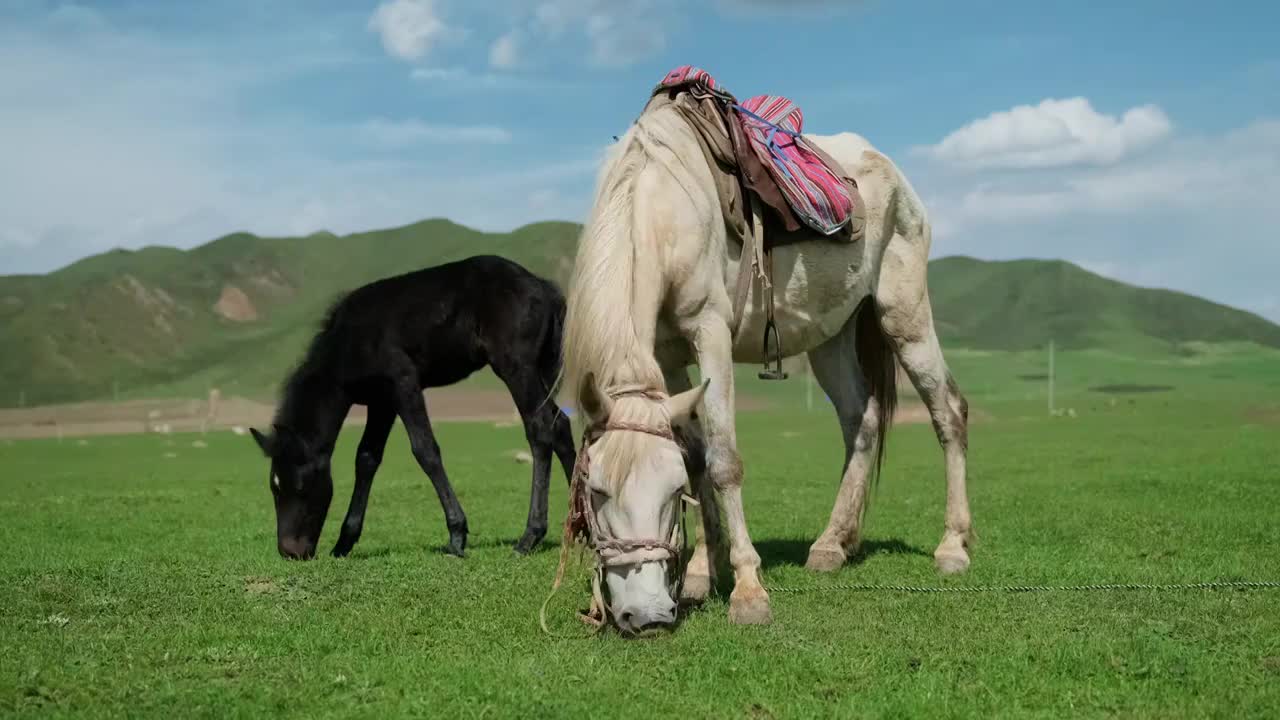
column 302, row 488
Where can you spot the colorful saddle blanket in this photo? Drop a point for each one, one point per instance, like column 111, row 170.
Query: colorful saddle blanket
column 816, row 193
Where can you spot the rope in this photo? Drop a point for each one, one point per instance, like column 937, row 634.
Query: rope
column 1098, row 587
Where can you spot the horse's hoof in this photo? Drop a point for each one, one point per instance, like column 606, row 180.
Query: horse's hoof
column 455, row 548
column 752, row 609
column 696, row 588
column 342, row 549
column 951, row 561
column 825, row 559
column 527, row 545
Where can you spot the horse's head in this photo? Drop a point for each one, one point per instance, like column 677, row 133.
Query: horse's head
column 302, row 487
column 636, row 477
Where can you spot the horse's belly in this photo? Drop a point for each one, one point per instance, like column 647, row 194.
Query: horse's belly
column 817, row 286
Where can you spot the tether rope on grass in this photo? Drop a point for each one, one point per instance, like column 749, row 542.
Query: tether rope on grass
column 863, row 587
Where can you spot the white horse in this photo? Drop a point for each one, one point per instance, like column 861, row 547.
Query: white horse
column 651, row 294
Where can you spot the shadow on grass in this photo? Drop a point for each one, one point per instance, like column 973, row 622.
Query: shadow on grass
column 382, row 551
column 796, row 552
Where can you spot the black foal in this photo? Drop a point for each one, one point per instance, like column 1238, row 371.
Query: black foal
column 379, row 347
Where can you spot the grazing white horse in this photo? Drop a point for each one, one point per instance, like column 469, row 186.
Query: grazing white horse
column 651, row 294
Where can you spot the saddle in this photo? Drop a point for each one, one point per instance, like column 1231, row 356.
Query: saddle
column 772, row 182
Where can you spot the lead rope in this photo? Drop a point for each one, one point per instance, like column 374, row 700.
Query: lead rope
column 1096, row 587
column 595, row 614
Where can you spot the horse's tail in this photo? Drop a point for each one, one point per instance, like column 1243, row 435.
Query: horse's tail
column 880, row 368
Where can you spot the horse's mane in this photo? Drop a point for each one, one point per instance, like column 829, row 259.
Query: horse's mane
column 298, row 395
column 612, row 308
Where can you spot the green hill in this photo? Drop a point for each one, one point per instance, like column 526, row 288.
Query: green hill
column 235, row 313
column 1023, row 304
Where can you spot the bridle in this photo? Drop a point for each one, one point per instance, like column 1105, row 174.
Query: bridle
column 582, row 525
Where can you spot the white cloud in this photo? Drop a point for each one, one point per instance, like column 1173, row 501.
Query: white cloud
column 1196, row 213
column 129, row 139
column 409, row 28
column 457, row 79
column 624, row 38
column 557, row 16
column 1236, row 170
column 788, row 7
column 402, row 133
column 616, row 33
column 1055, row 133
column 432, row 74
column 505, row 51
column 71, row 14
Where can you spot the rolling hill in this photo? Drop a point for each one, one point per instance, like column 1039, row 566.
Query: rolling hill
column 1023, row 304
column 236, row 312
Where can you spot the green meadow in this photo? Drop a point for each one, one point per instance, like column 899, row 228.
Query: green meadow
column 138, row 575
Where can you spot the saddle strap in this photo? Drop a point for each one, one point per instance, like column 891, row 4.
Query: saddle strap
column 751, row 263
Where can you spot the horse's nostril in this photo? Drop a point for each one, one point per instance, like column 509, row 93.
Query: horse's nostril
column 293, row 548
column 625, row 618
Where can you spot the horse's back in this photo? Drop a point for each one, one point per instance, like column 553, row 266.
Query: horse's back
column 449, row 319
column 848, row 149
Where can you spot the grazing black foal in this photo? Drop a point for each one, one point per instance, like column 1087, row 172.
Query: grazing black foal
column 379, row 347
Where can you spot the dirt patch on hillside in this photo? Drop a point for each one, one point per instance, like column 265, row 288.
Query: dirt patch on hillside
column 237, row 414
column 166, row 416
column 235, row 306
column 449, row 404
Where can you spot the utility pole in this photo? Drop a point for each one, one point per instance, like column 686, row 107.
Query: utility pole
column 1051, row 377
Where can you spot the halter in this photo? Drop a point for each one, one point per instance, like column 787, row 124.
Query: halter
column 611, row 551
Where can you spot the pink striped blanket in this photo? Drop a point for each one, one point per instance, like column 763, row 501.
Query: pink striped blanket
column 773, row 126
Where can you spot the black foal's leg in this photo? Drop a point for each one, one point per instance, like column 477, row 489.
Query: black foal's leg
column 413, row 411
column 547, row 430
column 562, row 442
column 377, row 427
column 535, row 527
column 538, row 414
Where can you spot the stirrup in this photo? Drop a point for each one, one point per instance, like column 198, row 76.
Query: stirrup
column 776, row 372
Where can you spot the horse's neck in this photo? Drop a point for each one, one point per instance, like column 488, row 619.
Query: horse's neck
column 314, row 409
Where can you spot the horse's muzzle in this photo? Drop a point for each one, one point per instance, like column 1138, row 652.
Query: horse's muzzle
column 639, row 619
column 296, row 548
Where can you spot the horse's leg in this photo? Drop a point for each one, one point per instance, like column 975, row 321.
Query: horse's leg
column 541, row 415
column 907, row 320
column 700, row 572
column 562, row 443
column 748, row 603
column 835, row 365
column 412, row 409
column 377, row 428
column 921, row 356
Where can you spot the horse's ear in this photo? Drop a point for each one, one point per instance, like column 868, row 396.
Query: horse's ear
column 594, row 401
column 680, row 407
column 266, row 443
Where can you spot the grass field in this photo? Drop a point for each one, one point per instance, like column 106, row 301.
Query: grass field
column 138, row 575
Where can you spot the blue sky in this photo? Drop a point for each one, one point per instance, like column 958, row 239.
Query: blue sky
column 1141, row 140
